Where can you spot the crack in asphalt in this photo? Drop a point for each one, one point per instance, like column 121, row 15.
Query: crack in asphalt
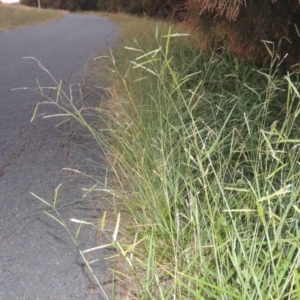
column 13, row 157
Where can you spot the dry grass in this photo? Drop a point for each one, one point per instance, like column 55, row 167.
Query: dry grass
column 229, row 8
column 12, row 17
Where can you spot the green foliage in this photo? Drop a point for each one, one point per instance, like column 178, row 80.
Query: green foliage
column 206, row 150
column 206, row 153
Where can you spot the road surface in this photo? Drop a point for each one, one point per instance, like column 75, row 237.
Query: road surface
column 37, row 259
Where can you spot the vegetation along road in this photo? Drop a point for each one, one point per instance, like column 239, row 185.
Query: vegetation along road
column 36, row 260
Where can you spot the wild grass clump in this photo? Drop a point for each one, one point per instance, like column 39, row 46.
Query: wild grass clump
column 205, row 152
column 204, row 162
column 19, row 16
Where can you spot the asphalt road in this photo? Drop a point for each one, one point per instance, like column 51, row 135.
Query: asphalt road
column 37, row 259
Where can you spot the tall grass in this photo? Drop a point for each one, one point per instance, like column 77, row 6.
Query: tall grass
column 12, row 16
column 206, row 153
column 204, row 156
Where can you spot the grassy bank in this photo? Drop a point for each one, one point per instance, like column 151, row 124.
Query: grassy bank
column 12, row 16
column 205, row 152
column 204, row 169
